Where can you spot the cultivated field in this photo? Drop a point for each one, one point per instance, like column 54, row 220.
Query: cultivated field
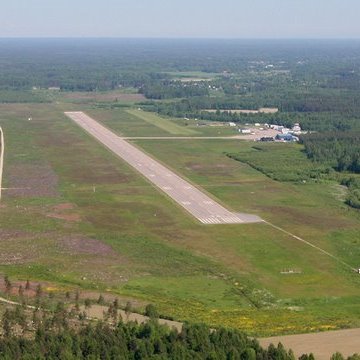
column 76, row 215
column 322, row 345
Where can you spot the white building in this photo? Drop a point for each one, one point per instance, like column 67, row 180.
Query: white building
column 296, row 128
column 285, row 130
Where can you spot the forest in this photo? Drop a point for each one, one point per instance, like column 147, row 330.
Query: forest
column 341, row 151
column 315, row 83
column 58, row 336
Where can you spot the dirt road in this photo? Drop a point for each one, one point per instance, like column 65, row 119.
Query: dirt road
column 98, row 311
column 197, row 203
column 322, row 345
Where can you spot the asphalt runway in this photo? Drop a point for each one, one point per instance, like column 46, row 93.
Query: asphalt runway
column 197, row 203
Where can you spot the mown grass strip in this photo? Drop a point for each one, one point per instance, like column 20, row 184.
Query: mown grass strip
column 162, row 123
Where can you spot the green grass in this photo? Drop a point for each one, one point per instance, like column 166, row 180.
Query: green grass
column 128, row 123
column 22, row 96
column 178, row 75
column 228, row 275
column 283, row 162
column 165, row 124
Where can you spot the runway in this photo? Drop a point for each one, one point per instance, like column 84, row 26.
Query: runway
column 193, row 200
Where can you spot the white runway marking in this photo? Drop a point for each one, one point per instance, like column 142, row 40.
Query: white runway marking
column 189, row 197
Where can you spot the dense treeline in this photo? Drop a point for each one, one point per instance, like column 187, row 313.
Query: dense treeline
column 193, row 108
column 353, row 198
column 172, row 89
column 145, row 341
column 132, row 341
column 340, row 149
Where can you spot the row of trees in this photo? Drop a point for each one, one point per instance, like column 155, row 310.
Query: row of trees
column 133, row 341
column 314, row 121
column 353, row 198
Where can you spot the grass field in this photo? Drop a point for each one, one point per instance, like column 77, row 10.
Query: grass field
column 79, row 216
column 283, row 162
column 130, row 123
column 164, row 124
column 188, row 76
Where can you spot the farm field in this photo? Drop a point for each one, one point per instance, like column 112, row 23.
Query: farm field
column 76, row 215
column 322, row 345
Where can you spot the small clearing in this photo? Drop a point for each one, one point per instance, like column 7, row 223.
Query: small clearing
column 246, row 111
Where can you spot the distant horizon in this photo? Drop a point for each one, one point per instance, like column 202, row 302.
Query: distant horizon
column 179, row 38
column 185, row 19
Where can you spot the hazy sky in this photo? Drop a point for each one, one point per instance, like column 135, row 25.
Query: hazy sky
column 181, row 18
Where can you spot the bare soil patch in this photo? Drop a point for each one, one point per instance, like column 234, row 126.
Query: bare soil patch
column 65, row 211
column 66, row 217
column 83, row 245
column 31, row 181
column 13, row 234
column 12, row 258
column 17, row 247
column 64, row 206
